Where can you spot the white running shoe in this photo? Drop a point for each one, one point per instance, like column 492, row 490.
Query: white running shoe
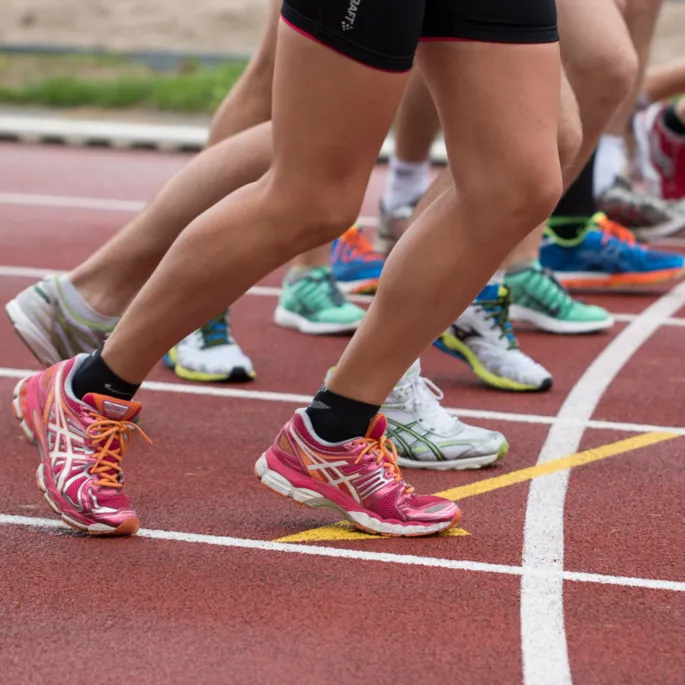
column 211, row 355
column 483, row 337
column 427, row 436
column 49, row 327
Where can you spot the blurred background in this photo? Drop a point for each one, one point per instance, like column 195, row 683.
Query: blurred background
column 156, row 59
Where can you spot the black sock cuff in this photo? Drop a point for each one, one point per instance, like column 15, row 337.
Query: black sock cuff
column 93, row 375
column 336, row 418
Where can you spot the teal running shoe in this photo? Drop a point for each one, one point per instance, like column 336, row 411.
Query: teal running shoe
column 538, row 299
column 312, row 303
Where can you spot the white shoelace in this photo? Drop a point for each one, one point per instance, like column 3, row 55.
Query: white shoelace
column 426, row 397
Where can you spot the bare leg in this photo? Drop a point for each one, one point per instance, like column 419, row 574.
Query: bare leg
column 249, row 102
column 641, row 17
column 111, row 277
column 601, row 65
column 665, row 81
column 417, row 121
column 305, row 200
column 522, row 171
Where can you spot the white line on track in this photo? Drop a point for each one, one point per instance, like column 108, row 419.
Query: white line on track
column 272, row 291
column 382, row 557
column 543, row 636
column 67, row 202
column 293, row 398
column 100, row 204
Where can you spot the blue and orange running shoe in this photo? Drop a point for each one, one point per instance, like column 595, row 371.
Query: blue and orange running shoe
column 356, row 267
column 607, row 255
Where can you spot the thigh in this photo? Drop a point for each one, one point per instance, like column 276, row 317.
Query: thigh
column 341, row 68
column 494, row 69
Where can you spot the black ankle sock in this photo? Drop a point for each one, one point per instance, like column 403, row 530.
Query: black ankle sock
column 672, row 121
column 95, row 376
column 336, row 418
column 577, row 205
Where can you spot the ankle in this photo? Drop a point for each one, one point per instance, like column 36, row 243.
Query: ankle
column 86, row 302
column 337, row 419
column 95, row 376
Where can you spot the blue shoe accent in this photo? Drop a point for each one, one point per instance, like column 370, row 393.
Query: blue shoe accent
column 356, row 267
column 489, row 292
column 607, row 256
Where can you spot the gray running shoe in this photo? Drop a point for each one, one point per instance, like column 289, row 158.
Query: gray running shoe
column 48, row 327
column 647, row 217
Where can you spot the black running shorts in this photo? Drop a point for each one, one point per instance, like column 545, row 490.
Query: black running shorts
column 385, row 33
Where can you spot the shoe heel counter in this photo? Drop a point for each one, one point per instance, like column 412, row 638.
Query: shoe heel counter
column 284, row 451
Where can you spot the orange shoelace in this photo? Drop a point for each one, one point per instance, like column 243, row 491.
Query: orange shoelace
column 107, row 460
column 386, row 455
column 356, row 239
column 612, row 229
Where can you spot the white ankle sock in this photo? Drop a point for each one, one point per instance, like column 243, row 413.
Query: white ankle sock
column 78, row 306
column 407, row 182
column 610, row 162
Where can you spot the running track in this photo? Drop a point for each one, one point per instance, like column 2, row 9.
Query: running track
column 573, row 576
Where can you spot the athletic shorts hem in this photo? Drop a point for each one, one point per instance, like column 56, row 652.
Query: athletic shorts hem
column 509, row 37
column 318, row 33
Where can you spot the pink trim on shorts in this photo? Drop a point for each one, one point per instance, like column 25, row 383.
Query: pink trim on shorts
column 339, row 52
column 434, row 39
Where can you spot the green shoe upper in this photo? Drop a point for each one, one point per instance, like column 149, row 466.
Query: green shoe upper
column 314, row 295
column 537, row 289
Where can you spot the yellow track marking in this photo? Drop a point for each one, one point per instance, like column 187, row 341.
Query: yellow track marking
column 344, row 531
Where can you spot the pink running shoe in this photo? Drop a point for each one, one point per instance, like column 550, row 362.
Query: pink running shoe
column 80, row 444
column 359, row 478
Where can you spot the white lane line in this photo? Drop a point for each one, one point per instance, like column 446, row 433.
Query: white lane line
column 293, row 398
column 100, row 204
column 67, row 202
column 342, row 553
column 543, row 636
column 272, row 291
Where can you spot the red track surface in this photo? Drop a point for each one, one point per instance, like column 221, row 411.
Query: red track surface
column 159, row 611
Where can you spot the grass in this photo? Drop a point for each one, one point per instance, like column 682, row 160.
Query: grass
column 111, row 82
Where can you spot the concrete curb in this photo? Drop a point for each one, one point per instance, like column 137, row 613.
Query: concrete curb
column 113, row 134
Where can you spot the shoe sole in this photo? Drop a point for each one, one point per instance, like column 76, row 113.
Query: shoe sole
column 549, row 324
column 466, row 464
column 128, row 527
column 367, row 286
column 615, row 281
column 238, row 374
column 287, row 319
column 40, row 345
column 278, row 484
column 461, row 352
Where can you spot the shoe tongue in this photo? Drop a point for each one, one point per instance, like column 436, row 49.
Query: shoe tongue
column 377, row 427
column 112, row 408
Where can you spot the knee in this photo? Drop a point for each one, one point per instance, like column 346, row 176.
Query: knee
column 317, row 212
column 516, row 199
column 606, row 73
column 534, row 195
